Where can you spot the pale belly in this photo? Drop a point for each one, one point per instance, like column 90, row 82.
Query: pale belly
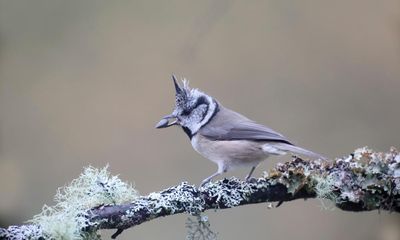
column 229, row 154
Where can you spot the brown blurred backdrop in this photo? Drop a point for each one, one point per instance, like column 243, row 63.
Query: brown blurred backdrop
column 84, row 82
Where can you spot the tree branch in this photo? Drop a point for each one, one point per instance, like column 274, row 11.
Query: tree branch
column 364, row 181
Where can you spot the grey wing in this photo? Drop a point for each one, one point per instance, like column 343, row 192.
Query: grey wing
column 229, row 125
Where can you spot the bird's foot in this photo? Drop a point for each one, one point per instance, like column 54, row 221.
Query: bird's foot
column 204, row 182
column 251, row 179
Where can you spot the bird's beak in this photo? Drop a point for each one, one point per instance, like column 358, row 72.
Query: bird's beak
column 164, row 122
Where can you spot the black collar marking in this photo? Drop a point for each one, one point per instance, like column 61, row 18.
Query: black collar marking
column 188, row 132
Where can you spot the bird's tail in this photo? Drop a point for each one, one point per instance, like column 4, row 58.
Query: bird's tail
column 299, row 150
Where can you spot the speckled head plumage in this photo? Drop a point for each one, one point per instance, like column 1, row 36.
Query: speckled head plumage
column 193, row 108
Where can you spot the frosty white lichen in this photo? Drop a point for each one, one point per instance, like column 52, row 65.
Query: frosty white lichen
column 230, row 193
column 180, row 197
column 94, row 187
column 23, row 232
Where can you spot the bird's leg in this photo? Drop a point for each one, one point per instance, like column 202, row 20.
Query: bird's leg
column 209, row 179
column 250, row 173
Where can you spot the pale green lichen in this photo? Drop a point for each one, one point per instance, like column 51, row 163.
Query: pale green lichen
column 295, row 183
column 93, row 188
column 366, row 177
column 324, row 187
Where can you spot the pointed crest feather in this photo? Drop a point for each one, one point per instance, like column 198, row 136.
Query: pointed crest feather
column 183, row 91
column 178, row 89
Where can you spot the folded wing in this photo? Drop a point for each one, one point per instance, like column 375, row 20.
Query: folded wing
column 229, row 125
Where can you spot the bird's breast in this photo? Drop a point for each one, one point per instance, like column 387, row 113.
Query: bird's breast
column 206, row 148
column 234, row 153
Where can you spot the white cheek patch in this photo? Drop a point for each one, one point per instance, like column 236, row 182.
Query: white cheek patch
column 212, row 107
column 197, row 119
column 193, row 122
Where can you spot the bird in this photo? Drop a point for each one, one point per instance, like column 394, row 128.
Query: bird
column 224, row 136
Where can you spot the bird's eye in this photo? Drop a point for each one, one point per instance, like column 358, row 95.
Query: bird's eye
column 200, row 101
column 185, row 112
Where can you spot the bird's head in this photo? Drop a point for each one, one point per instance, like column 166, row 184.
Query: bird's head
column 193, row 109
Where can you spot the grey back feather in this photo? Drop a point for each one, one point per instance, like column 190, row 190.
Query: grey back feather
column 229, row 125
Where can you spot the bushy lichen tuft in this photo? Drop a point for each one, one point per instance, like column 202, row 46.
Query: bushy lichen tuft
column 93, row 188
column 324, row 187
column 199, row 229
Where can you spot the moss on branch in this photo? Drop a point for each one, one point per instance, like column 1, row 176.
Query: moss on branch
column 363, row 181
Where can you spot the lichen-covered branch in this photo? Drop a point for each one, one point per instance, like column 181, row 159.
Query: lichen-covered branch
column 364, row 181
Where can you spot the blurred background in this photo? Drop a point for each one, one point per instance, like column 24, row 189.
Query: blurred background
column 84, row 83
